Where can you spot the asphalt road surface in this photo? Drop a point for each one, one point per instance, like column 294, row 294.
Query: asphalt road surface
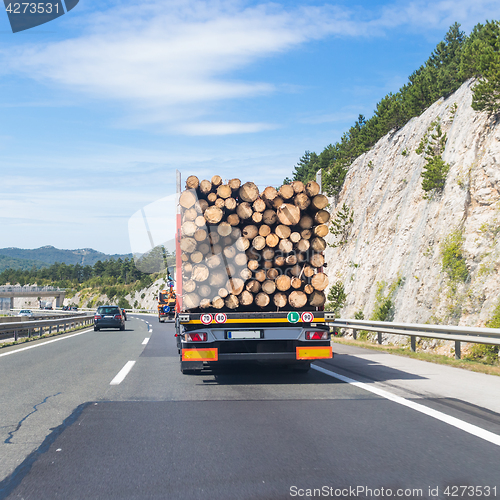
column 108, row 415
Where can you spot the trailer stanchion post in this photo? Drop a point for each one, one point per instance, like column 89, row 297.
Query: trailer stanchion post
column 413, row 343
column 355, row 334
column 458, row 354
column 379, row 337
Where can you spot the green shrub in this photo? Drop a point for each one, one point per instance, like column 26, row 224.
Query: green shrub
column 453, row 261
column 124, row 304
column 336, row 297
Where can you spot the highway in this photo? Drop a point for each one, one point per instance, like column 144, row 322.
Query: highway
column 108, row 415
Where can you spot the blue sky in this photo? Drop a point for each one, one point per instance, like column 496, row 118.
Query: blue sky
column 100, row 106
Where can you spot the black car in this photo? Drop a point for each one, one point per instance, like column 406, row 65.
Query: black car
column 108, row 317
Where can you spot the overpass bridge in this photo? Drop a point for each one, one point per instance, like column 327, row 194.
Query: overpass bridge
column 13, row 292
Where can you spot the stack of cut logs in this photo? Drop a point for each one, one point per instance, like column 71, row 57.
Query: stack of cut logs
column 248, row 250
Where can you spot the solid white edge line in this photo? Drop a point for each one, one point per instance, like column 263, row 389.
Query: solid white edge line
column 120, row 377
column 43, row 343
column 145, row 341
column 455, row 422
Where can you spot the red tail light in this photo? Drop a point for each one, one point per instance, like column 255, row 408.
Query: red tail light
column 195, row 337
column 97, row 316
column 317, row 335
column 118, row 316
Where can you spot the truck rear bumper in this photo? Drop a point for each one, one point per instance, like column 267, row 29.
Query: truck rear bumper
column 217, row 353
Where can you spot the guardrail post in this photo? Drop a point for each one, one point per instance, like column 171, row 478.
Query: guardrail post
column 15, row 336
column 458, row 354
column 413, row 343
column 379, row 337
column 355, row 334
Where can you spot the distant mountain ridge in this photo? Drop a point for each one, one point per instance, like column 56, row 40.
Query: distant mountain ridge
column 19, row 258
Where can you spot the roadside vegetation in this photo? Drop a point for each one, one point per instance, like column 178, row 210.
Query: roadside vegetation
column 113, row 278
column 455, row 59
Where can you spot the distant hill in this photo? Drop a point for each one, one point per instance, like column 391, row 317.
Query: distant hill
column 23, row 264
column 19, row 257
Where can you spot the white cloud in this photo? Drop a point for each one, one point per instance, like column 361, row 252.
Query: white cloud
column 222, row 128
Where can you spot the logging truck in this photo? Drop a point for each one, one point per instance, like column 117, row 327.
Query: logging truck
column 250, row 281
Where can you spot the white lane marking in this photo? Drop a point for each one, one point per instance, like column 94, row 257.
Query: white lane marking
column 120, row 377
column 455, row 422
column 145, row 341
column 43, row 343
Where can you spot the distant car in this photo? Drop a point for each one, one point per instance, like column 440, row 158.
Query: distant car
column 74, row 308
column 26, row 312
column 49, row 308
column 124, row 314
column 108, row 317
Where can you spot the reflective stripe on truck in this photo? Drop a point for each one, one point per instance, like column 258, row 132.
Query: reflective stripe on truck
column 313, row 352
column 200, row 354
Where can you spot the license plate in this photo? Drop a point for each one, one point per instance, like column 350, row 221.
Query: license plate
column 244, row 334
column 108, row 317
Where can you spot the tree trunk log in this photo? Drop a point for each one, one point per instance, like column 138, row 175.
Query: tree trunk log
column 283, row 283
column 224, row 229
column 188, row 199
column 286, row 191
column 233, row 219
column 213, row 214
column 200, row 272
column 312, row 188
column 268, row 287
column 321, row 217
column 205, row 187
column 317, row 298
column 232, row 302
column 318, row 244
column 234, row 184
column 216, row 180
column 246, row 298
column 269, row 217
column 244, row 210
column 317, row 260
column 250, row 232
column 319, row 281
column 224, row 191
column 280, row 300
column 319, row 202
column 259, row 205
column 192, row 182
column 289, row 214
column 262, row 299
column 249, row 192
column 302, row 201
column 297, row 299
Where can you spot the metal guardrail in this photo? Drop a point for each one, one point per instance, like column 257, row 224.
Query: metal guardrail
column 457, row 334
column 39, row 327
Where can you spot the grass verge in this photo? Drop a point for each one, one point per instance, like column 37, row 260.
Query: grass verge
column 439, row 359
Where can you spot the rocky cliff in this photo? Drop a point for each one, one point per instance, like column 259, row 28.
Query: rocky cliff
column 404, row 242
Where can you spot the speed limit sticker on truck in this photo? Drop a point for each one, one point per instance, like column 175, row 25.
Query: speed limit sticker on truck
column 220, row 318
column 206, row 319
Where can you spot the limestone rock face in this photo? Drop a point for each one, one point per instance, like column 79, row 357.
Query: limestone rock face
column 398, row 235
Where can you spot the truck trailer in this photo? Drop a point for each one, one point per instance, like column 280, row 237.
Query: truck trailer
column 250, row 281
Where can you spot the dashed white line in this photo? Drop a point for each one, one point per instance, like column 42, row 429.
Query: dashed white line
column 120, row 377
column 145, row 341
column 455, row 422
